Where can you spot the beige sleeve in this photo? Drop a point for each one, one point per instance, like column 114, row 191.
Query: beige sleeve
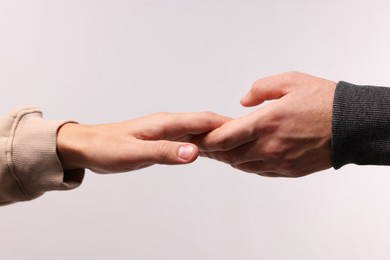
column 29, row 165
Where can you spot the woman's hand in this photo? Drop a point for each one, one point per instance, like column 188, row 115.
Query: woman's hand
column 160, row 138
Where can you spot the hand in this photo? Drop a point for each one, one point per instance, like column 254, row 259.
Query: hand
column 161, row 138
column 289, row 137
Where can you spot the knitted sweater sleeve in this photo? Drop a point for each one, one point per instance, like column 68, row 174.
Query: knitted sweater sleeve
column 361, row 125
column 29, row 165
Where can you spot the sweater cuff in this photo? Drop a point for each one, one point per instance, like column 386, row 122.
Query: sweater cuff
column 361, row 125
column 33, row 155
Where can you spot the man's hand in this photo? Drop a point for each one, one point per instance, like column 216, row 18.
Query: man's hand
column 161, row 138
column 289, row 137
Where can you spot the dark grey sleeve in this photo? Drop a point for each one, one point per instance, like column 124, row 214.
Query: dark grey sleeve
column 360, row 125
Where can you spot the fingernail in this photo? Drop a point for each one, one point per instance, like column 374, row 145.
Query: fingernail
column 185, row 152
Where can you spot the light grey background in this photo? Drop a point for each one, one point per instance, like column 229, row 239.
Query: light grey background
column 105, row 61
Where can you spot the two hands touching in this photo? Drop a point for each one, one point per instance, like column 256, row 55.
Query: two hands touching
column 289, row 137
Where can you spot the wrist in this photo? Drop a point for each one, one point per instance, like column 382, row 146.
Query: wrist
column 71, row 146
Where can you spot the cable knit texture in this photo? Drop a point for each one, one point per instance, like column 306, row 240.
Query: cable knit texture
column 29, row 165
column 361, row 125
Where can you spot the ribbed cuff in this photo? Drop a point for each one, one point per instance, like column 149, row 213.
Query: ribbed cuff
column 361, row 125
column 34, row 159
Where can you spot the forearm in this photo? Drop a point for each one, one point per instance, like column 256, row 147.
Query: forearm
column 361, row 125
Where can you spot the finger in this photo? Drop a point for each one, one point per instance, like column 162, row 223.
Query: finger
column 174, row 125
column 248, row 152
column 269, row 88
column 229, row 136
column 167, row 152
column 258, row 166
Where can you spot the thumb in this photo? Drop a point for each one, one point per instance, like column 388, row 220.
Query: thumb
column 167, row 152
column 265, row 89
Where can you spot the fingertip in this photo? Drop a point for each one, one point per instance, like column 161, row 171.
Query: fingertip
column 248, row 100
column 188, row 153
column 244, row 100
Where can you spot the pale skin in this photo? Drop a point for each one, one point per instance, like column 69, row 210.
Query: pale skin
column 160, row 138
column 289, row 137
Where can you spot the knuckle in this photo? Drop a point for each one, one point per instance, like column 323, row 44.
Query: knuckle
column 161, row 151
column 274, row 151
column 292, row 76
column 267, row 123
column 210, row 118
column 155, row 133
column 148, row 134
